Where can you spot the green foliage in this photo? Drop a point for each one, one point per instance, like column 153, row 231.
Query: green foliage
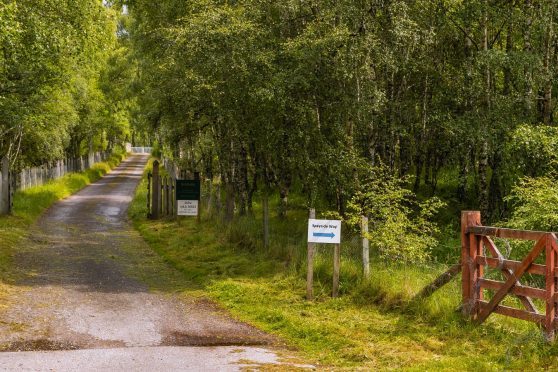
column 298, row 94
column 535, row 202
column 533, row 150
column 53, row 56
column 372, row 326
column 401, row 228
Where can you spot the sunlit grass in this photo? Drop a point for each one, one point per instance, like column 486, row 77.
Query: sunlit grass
column 373, row 325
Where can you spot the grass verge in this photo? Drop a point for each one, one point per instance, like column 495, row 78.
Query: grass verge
column 372, row 326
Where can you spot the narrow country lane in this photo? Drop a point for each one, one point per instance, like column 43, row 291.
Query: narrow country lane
column 83, row 304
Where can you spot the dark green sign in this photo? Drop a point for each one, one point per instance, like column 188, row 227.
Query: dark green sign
column 187, row 190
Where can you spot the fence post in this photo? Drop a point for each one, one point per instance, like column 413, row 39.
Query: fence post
column 173, row 196
column 149, row 178
column 550, row 325
column 365, row 247
column 310, row 270
column 155, row 191
column 5, row 187
column 168, row 195
column 336, row 269
column 471, row 271
column 197, row 178
column 161, row 201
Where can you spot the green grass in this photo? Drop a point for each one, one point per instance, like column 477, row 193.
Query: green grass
column 31, row 203
column 373, row 325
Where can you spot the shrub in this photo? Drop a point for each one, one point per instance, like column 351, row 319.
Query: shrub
column 535, row 204
column 400, row 227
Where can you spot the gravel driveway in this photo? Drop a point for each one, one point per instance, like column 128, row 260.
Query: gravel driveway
column 80, row 290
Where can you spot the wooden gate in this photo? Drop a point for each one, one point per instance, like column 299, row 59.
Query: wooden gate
column 475, row 241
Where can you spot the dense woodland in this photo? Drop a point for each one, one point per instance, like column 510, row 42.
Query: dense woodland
column 392, row 108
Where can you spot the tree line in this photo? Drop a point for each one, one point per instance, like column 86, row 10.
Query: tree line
column 360, row 107
column 313, row 94
column 59, row 80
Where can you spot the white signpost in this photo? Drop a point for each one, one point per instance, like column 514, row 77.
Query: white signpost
column 328, row 232
column 324, row 231
column 187, row 207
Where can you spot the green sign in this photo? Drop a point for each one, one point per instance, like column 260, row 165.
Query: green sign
column 187, row 190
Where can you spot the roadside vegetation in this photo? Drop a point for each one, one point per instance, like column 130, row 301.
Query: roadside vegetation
column 374, row 323
column 405, row 112
column 29, row 204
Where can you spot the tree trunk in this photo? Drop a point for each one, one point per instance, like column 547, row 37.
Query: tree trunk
column 483, row 155
column 5, row 186
column 483, row 179
column 265, row 210
column 463, row 172
column 283, row 201
column 548, row 56
column 340, row 201
column 218, row 201
column 527, row 49
column 495, row 197
column 242, row 181
column 229, row 207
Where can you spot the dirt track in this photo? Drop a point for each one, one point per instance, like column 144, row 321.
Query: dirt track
column 81, row 290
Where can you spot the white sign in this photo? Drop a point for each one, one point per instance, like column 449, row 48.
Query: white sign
column 187, row 207
column 324, row 231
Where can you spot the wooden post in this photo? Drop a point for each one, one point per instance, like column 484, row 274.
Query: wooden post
column 471, row 271
column 167, row 196
column 149, row 179
column 161, row 201
column 310, row 270
column 438, row 283
column 173, row 196
column 197, row 178
column 265, row 207
column 336, row 269
column 156, row 191
column 550, row 323
column 365, row 247
column 5, row 187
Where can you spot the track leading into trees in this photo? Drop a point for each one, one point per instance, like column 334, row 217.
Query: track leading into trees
column 83, row 304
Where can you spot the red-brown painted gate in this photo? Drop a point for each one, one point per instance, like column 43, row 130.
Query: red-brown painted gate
column 477, row 239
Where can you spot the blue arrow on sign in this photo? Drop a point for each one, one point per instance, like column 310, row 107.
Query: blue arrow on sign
column 324, row 235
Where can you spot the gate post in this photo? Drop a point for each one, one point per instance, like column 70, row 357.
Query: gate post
column 471, row 271
column 550, row 325
column 155, row 192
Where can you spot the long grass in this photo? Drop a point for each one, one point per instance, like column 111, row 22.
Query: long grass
column 373, row 325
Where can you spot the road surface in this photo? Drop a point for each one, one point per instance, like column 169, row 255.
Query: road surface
column 82, row 304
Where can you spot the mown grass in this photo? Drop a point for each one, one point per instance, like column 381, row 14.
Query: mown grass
column 31, row 203
column 373, row 325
